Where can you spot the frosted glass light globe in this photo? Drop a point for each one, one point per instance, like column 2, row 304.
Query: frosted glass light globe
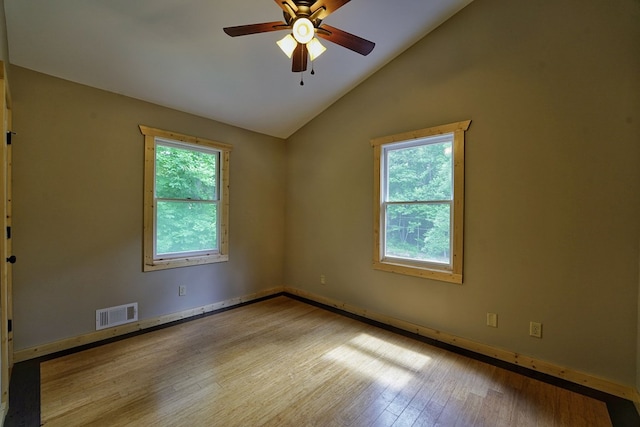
column 303, row 30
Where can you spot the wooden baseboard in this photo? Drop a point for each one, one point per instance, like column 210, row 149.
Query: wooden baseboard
column 68, row 343
column 534, row 364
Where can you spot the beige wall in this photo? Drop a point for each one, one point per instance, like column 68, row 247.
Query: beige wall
column 552, row 181
column 4, row 48
column 78, row 169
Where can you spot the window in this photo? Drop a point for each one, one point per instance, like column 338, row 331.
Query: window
column 419, row 199
column 186, row 200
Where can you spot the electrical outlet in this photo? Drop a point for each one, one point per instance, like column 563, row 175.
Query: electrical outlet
column 535, row 329
column 492, row 320
column 182, row 290
column 323, row 280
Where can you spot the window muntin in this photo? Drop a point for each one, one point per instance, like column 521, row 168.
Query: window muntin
column 186, row 200
column 419, row 199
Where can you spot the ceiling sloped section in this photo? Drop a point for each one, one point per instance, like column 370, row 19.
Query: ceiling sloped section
column 176, row 54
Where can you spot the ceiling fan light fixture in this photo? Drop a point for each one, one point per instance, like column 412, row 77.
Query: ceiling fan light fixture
column 288, row 44
column 303, row 30
column 315, row 48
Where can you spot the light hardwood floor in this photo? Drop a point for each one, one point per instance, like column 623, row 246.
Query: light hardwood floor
column 282, row 362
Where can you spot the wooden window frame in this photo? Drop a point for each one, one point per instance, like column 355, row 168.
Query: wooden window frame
column 453, row 273
column 152, row 263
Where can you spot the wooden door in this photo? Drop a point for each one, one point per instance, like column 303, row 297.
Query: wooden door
column 6, row 255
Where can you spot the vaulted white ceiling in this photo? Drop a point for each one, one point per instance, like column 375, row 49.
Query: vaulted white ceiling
column 174, row 53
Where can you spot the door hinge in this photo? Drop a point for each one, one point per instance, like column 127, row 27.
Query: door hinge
column 8, row 232
column 10, row 326
column 9, row 133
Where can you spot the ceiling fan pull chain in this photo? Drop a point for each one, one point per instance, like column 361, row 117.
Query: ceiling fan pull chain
column 313, row 72
column 301, row 81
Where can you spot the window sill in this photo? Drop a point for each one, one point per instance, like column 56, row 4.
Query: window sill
column 163, row 264
column 426, row 273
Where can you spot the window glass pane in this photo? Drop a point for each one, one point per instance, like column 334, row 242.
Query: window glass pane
column 418, row 232
column 185, row 174
column 420, row 173
column 185, row 227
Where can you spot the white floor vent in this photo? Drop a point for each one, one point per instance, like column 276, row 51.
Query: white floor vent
column 114, row 316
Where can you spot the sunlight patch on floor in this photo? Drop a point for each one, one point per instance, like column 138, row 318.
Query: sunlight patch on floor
column 387, row 363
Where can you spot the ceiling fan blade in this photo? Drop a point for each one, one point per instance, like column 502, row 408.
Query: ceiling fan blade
column 329, row 6
column 299, row 56
column 348, row 40
column 243, row 30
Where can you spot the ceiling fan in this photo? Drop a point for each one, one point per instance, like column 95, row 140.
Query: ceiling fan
column 304, row 19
